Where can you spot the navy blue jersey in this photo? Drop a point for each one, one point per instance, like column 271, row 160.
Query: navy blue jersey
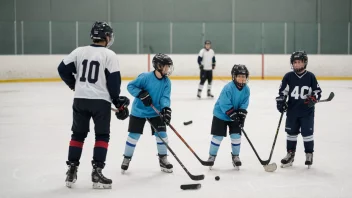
column 159, row 90
column 296, row 87
column 231, row 97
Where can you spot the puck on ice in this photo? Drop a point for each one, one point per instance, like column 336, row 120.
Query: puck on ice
column 188, row 122
column 190, row 186
column 217, row 178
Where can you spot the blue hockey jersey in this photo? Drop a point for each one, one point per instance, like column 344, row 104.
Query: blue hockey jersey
column 296, row 87
column 159, row 90
column 231, row 96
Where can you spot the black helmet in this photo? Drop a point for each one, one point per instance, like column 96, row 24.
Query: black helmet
column 160, row 60
column 239, row 69
column 299, row 55
column 101, row 30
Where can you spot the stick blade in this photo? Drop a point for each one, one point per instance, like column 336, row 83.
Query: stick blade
column 190, row 186
column 270, row 167
column 197, row 177
column 207, row 163
column 331, row 96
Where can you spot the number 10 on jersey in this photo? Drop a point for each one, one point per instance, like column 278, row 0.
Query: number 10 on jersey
column 92, row 65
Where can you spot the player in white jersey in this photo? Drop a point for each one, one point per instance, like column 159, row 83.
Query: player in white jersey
column 96, row 85
column 206, row 62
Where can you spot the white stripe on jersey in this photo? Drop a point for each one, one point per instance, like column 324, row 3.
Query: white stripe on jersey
column 207, row 58
column 91, row 63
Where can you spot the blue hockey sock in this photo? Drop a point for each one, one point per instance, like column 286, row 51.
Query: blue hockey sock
column 291, row 143
column 235, row 143
column 162, row 150
column 308, row 144
column 215, row 144
column 131, row 142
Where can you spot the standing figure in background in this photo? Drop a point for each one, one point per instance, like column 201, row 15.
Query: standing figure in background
column 150, row 88
column 96, row 86
column 230, row 111
column 302, row 90
column 206, row 62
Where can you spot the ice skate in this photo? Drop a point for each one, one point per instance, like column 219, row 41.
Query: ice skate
column 236, row 162
column 209, row 94
column 165, row 164
column 71, row 174
column 309, row 159
column 211, row 159
column 98, row 179
column 199, row 94
column 288, row 160
column 125, row 164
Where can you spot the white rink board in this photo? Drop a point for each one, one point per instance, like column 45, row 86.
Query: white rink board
column 45, row 66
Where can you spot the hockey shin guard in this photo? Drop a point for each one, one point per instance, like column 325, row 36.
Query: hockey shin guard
column 162, row 150
column 215, row 144
column 101, row 147
column 291, row 142
column 131, row 143
column 235, row 143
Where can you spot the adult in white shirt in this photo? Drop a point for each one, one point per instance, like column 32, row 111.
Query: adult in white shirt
column 206, row 62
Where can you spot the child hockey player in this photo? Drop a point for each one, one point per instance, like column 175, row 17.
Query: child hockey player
column 150, row 88
column 302, row 90
column 230, row 111
column 92, row 99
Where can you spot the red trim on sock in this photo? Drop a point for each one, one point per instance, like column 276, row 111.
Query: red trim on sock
column 102, row 144
column 75, row 143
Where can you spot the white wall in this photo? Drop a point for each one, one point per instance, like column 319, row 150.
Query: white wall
column 45, row 66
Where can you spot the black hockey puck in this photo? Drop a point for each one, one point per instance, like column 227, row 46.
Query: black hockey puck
column 217, row 178
column 188, row 122
column 190, row 186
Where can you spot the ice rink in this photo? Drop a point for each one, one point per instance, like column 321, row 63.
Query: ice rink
column 35, row 128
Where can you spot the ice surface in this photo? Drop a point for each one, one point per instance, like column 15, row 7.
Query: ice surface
column 35, row 124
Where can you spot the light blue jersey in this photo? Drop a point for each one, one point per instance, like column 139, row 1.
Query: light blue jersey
column 230, row 97
column 159, row 90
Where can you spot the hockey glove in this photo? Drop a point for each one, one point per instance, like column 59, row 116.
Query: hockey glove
column 122, row 105
column 240, row 117
column 213, row 66
column 145, row 97
column 281, row 104
column 231, row 113
column 166, row 113
column 201, row 67
column 310, row 101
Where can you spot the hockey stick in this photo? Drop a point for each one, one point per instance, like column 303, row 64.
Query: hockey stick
column 272, row 148
column 193, row 177
column 331, row 96
column 204, row 163
column 267, row 167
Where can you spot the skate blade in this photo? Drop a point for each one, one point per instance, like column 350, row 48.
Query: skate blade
column 101, row 186
column 270, row 167
column 309, row 166
column 166, row 170
column 69, row 184
column 210, row 167
column 236, row 167
column 123, row 171
column 286, row 165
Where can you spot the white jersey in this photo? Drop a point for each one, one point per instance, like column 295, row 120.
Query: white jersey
column 92, row 63
column 207, row 56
